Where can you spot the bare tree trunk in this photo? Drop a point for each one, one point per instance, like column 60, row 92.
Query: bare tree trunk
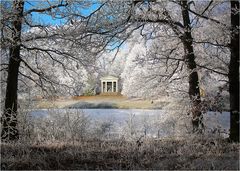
column 9, row 119
column 233, row 75
column 194, row 91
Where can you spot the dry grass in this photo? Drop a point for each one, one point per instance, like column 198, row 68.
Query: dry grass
column 99, row 97
column 118, row 101
column 95, row 154
column 139, row 104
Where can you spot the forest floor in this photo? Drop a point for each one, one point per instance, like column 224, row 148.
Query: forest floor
column 99, row 101
column 190, row 154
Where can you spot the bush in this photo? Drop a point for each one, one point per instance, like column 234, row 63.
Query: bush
column 89, row 92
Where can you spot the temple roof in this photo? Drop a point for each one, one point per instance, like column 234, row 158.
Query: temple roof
column 108, row 77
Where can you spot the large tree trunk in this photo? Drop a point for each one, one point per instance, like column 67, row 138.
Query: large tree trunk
column 9, row 118
column 194, row 91
column 233, row 75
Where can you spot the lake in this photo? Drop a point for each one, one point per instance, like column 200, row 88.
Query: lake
column 138, row 122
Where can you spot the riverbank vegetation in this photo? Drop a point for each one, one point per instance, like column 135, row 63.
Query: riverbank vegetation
column 166, row 154
column 72, row 140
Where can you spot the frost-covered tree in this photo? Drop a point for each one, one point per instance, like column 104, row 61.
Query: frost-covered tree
column 199, row 51
column 158, row 14
column 234, row 72
column 31, row 45
column 224, row 16
column 149, row 74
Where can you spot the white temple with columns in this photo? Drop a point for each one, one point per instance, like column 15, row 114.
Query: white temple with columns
column 109, row 85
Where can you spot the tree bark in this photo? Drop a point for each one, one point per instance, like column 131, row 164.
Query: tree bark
column 194, row 91
column 9, row 118
column 233, row 75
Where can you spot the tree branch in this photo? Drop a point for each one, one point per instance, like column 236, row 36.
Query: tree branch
column 45, row 9
column 201, row 15
column 210, row 69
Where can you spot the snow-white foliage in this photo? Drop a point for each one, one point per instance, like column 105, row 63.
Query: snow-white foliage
column 156, row 66
column 56, row 65
column 151, row 63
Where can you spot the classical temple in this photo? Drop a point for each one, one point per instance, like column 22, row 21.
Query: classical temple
column 109, row 85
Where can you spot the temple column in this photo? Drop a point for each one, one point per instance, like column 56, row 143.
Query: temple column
column 102, row 86
column 112, row 86
column 106, row 86
column 117, row 86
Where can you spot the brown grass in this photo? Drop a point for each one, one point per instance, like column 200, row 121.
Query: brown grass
column 100, row 97
column 151, row 154
column 119, row 101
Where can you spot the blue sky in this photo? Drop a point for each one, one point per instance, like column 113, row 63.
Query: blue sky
column 49, row 20
column 45, row 19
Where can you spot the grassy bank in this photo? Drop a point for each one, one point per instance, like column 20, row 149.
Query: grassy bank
column 117, row 102
column 149, row 154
